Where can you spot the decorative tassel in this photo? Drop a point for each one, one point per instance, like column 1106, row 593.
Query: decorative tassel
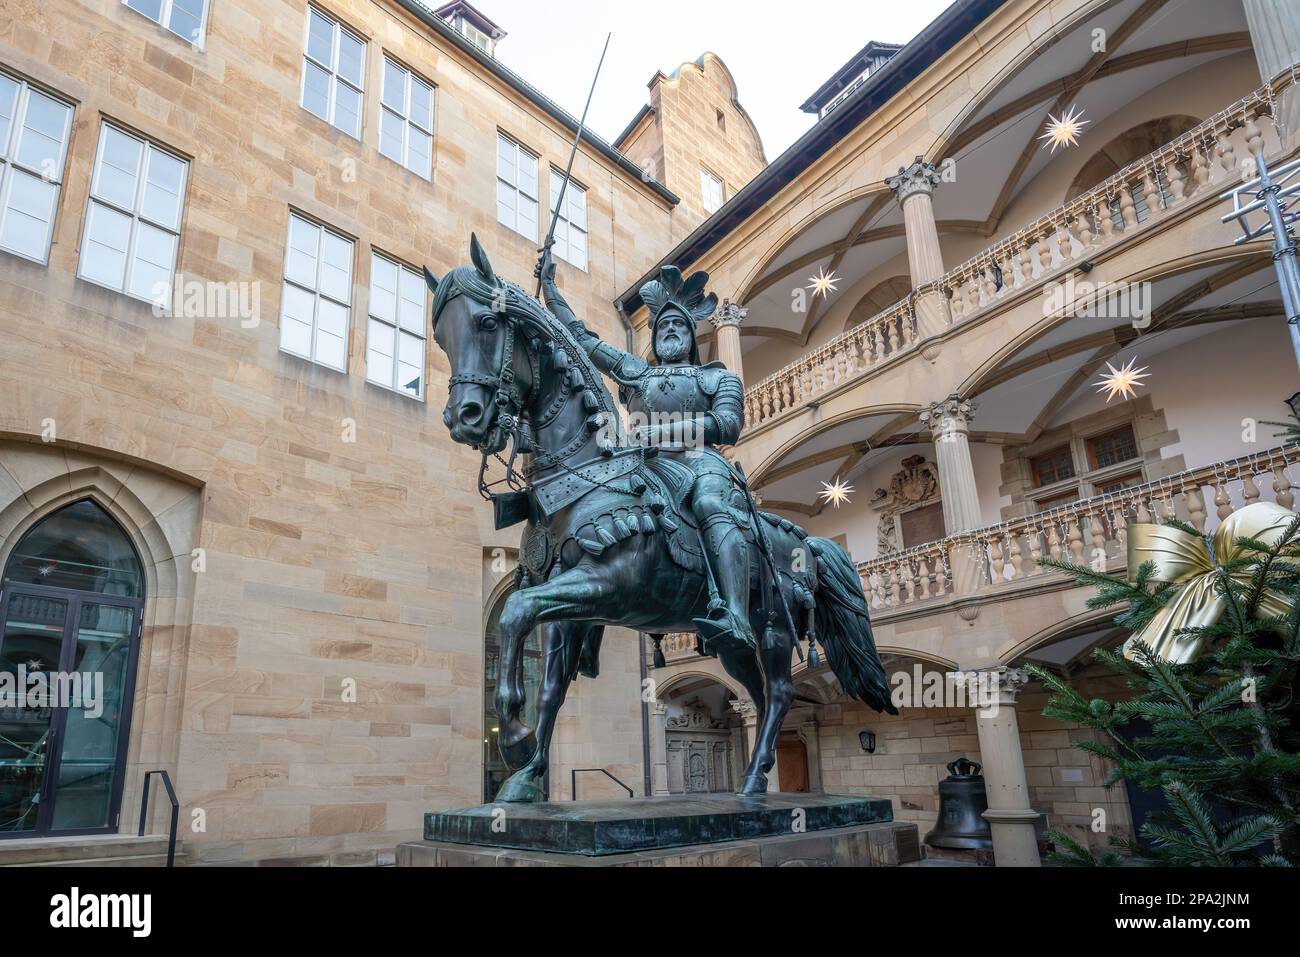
column 814, row 659
column 575, row 379
column 647, row 524
column 561, row 360
column 660, row 661
column 605, row 537
column 592, row 548
column 589, row 401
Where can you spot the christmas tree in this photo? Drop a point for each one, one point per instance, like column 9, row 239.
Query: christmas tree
column 1223, row 740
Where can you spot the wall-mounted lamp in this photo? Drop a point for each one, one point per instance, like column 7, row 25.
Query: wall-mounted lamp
column 1085, row 267
column 868, row 741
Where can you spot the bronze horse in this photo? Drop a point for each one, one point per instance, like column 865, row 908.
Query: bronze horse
column 602, row 531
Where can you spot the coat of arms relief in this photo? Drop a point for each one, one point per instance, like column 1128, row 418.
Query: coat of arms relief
column 915, row 485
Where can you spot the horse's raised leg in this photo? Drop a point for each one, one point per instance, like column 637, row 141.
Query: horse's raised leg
column 563, row 642
column 573, row 595
column 775, row 658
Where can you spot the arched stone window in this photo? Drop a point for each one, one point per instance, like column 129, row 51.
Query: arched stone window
column 1142, row 140
column 71, row 599
column 879, row 298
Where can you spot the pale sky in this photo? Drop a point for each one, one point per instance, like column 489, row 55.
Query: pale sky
column 778, row 53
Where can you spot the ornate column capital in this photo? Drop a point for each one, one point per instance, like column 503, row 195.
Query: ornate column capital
column 999, row 686
column 659, row 709
column 745, row 708
column 728, row 314
column 949, row 416
column 920, row 177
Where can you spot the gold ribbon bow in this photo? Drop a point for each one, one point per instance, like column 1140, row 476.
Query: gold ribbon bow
column 1183, row 559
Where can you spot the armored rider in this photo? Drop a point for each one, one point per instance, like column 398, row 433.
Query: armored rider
column 687, row 410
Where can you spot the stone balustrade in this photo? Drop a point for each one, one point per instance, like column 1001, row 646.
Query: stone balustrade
column 1091, row 531
column 1193, row 167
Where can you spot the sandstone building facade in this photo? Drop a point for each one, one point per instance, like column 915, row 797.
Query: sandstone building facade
column 225, row 483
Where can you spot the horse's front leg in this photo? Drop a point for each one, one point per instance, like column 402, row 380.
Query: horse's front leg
column 775, row 657
column 575, row 594
column 563, row 642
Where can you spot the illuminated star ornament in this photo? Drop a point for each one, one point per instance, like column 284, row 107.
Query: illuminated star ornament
column 1121, row 382
column 1064, row 131
column 837, row 492
column 823, row 284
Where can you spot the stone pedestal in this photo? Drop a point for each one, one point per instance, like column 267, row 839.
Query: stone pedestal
column 715, row 829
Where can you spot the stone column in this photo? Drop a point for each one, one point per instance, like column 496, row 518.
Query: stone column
column 1275, row 34
column 749, row 715
column 726, row 323
column 659, row 747
column 949, row 423
column 1010, row 816
column 914, row 189
column 811, row 742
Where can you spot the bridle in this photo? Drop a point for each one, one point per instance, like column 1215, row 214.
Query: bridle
column 511, row 414
column 509, row 400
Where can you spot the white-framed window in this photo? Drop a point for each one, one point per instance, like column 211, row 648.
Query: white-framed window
column 133, row 222
column 571, row 224
column 516, row 187
column 185, row 18
column 333, row 73
column 317, row 300
column 711, row 190
column 34, row 133
column 406, row 120
column 395, row 341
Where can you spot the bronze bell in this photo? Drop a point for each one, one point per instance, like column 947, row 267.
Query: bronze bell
column 962, row 803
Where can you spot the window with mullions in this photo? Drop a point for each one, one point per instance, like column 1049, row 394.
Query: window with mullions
column 406, row 120
column 133, row 222
column 185, row 18
column 333, row 73
column 317, row 299
column 571, row 224
column 516, row 187
column 395, row 340
column 34, row 131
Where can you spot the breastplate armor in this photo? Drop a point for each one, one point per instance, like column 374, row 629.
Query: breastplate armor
column 669, row 390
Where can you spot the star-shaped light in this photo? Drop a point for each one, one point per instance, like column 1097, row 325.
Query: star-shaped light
column 1064, row 131
column 1122, row 381
column 823, row 284
column 837, row 492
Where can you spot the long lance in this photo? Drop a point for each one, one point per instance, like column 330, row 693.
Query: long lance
column 559, row 202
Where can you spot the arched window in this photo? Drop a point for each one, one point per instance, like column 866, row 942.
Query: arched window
column 1142, row 140
column 495, row 771
column 71, row 598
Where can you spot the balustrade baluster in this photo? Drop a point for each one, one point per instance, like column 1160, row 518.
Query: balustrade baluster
column 1282, row 486
column 1223, row 501
column 1195, row 507
column 1249, row 490
column 1017, row 560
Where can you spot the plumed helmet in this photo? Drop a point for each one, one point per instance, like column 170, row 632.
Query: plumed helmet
column 672, row 294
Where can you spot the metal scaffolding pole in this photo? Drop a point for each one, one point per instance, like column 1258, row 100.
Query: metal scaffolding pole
column 1274, row 194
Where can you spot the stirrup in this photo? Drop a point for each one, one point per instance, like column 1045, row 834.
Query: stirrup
column 721, row 625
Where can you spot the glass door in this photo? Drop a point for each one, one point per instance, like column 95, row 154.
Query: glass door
column 67, row 664
column 31, row 643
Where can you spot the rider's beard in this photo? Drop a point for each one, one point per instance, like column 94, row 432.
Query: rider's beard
column 672, row 350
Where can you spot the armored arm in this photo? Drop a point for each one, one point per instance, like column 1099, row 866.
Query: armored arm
column 723, row 422
column 605, row 357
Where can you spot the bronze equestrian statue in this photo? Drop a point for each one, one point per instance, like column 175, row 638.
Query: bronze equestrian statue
column 655, row 531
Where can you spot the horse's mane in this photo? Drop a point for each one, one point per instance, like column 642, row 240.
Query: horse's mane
column 541, row 323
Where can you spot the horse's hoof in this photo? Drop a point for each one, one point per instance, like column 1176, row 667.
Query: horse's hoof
column 520, row 788
column 519, row 748
column 755, row 784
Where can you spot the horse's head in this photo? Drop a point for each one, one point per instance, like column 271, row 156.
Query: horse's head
column 483, row 324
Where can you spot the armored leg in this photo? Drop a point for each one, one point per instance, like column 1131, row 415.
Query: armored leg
column 727, row 554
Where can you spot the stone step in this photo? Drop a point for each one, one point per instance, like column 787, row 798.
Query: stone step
column 108, row 850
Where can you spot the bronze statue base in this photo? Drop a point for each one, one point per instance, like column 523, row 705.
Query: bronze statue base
column 725, row 829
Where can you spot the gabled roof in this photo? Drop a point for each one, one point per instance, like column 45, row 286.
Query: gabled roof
column 849, row 72
column 473, row 15
column 491, row 64
column 921, row 52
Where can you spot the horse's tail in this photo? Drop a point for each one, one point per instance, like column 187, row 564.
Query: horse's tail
column 844, row 626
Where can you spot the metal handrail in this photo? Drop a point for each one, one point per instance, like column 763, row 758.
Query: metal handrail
column 573, row 780
column 176, row 812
